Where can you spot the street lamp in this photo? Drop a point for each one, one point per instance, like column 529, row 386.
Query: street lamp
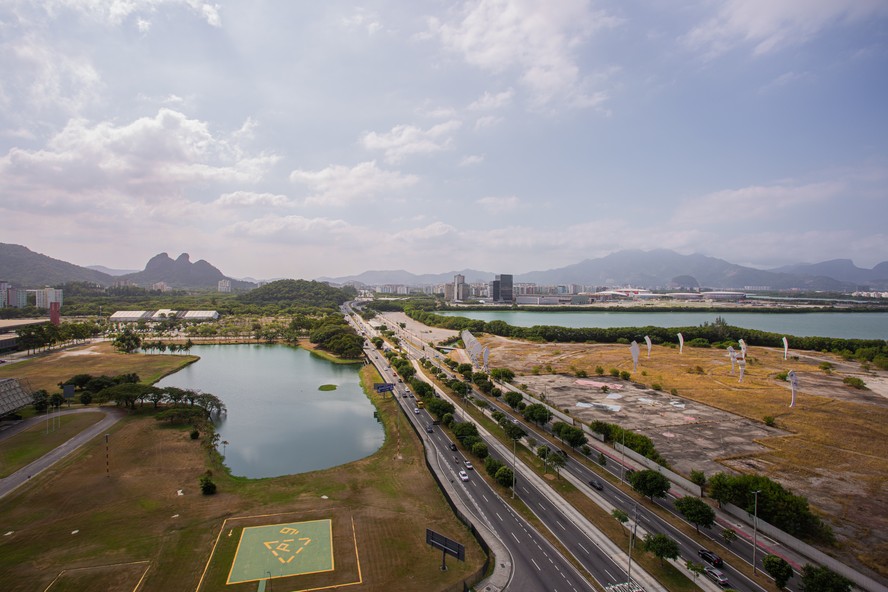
column 224, row 444
column 631, row 540
column 755, row 528
column 514, row 466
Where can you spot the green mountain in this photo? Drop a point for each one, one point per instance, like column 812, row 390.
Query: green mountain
column 24, row 268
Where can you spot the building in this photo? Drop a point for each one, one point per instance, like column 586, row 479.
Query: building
column 46, row 296
column 223, row 286
column 495, row 290
column 506, row 292
column 460, row 288
column 12, row 296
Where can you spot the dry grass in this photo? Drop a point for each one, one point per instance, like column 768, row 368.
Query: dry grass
column 834, row 455
column 48, row 370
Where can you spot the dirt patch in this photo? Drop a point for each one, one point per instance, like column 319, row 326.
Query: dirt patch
column 828, row 448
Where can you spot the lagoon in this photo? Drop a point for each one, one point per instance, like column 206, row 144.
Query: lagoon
column 846, row 325
column 278, row 422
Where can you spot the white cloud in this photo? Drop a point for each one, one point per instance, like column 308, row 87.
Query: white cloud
column 769, row 26
column 757, row 202
column 152, row 158
column 339, row 185
column 250, row 198
column 407, row 140
column 471, row 160
column 486, row 121
column 495, row 205
column 298, row 229
column 431, row 233
column 489, row 101
column 115, row 12
column 539, row 40
column 364, row 20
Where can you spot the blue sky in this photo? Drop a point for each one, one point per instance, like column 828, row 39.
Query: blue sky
column 307, row 139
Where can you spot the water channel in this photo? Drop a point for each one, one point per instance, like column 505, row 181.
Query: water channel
column 847, row 325
column 278, row 422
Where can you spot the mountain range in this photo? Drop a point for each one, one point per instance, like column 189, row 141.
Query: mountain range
column 659, row 268
column 22, row 267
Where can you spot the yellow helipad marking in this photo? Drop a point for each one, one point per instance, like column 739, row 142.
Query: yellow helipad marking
column 285, row 550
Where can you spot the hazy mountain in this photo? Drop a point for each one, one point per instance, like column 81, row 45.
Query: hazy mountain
column 842, row 270
column 644, row 269
column 112, row 272
column 24, row 268
column 399, row 276
column 181, row 273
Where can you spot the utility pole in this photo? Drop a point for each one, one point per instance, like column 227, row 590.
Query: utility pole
column 631, row 541
column 755, row 529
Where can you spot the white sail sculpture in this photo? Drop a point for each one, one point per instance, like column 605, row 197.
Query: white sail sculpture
column 635, row 351
column 647, row 340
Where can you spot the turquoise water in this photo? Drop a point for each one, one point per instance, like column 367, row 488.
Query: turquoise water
column 278, row 422
column 848, row 325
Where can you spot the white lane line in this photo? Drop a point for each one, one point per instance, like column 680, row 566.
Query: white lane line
column 498, row 516
column 610, row 575
column 535, row 563
column 583, row 548
column 541, row 506
column 558, row 522
column 514, row 537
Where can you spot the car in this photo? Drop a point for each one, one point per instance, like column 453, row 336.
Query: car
column 469, row 465
column 716, row 576
column 452, row 446
column 463, row 476
column 430, row 428
column 710, row 557
column 416, row 410
column 595, row 483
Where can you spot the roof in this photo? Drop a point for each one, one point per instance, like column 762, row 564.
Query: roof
column 193, row 315
column 130, row 315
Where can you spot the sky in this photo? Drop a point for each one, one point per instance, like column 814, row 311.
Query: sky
column 306, row 139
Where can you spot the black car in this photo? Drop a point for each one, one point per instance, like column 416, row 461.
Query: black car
column 710, row 557
column 595, row 483
column 429, row 428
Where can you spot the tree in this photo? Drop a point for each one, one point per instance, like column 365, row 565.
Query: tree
column 620, row 516
column 777, row 568
column 649, row 483
column 696, row 511
column 729, row 534
column 513, row 399
column 694, row 567
column 557, row 461
column 816, row 578
column 41, row 400
column 207, row 486
column 480, row 450
column 661, row 546
column 698, row 478
column 504, row 476
column 537, row 413
column 127, row 341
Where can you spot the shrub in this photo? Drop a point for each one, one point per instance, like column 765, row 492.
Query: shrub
column 195, row 434
column 854, row 382
column 625, row 375
column 673, row 392
column 657, row 386
column 770, row 421
column 582, row 374
column 782, row 375
column 615, row 372
column 599, row 370
column 207, row 486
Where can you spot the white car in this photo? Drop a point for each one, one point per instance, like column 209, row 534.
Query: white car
column 469, row 466
column 463, row 476
column 416, row 410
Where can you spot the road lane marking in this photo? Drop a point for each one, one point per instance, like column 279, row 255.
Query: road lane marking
column 583, row 548
column 514, row 537
column 535, row 563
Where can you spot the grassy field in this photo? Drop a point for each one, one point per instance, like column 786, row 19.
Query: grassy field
column 30, row 444
column 73, row 518
column 46, row 371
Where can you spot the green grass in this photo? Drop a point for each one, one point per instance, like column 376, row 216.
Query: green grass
column 327, row 387
column 27, row 446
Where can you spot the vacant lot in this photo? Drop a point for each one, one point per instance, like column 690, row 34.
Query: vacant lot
column 829, row 447
column 75, row 523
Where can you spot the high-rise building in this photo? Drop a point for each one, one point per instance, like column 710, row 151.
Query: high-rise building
column 46, row 296
column 460, row 288
column 505, row 288
column 224, row 286
column 495, row 290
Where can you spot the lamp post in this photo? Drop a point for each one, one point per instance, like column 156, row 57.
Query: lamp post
column 632, row 540
column 623, row 460
column 514, row 465
column 755, row 529
column 224, row 444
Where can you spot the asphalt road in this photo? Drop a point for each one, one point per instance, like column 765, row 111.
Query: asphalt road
column 15, row 480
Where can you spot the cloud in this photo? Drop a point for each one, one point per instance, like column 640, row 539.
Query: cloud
column 152, row 158
column 407, row 140
column 757, row 202
column 539, row 40
column 496, row 205
column 362, row 19
column 115, row 12
column 486, row 121
column 291, row 229
column 769, row 26
column 489, row 101
column 339, row 185
column 249, row 199
column 471, row 160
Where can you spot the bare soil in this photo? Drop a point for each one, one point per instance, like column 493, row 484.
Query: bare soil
column 829, row 447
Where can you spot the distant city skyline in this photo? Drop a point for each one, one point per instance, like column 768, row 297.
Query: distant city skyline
column 326, row 139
